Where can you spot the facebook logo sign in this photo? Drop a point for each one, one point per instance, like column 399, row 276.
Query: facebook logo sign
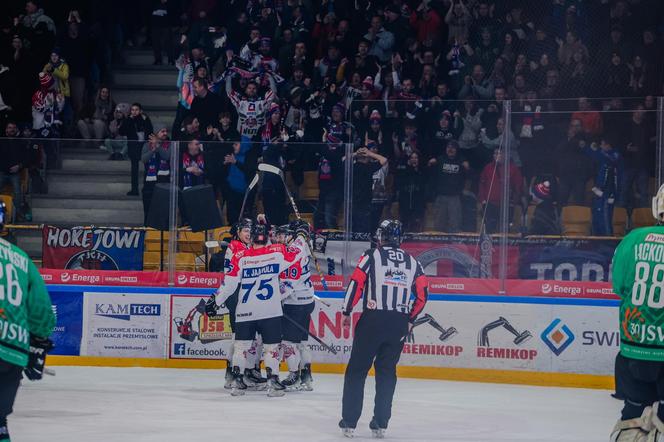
column 178, row 349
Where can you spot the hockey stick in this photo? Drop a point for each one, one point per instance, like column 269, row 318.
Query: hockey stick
column 49, row 371
column 252, row 184
column 316, row 338
column 275, row 170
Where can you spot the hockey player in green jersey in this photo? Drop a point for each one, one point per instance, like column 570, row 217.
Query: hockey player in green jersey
column 638, row 278
column 26, row 322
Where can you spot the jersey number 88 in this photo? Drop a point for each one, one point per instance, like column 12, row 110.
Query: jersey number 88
column 641, row 281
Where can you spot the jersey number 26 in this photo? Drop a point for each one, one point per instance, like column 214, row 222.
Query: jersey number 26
column 11, row 288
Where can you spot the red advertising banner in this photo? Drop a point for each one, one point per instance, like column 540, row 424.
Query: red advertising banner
column 449, row 286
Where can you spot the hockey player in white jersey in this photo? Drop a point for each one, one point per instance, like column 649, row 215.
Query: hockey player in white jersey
column 255, row 272
column 298, row 306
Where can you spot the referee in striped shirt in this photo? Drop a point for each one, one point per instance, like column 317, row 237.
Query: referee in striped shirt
column 388, row 277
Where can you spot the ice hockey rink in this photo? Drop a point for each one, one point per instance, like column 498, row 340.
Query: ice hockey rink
column 180, row 405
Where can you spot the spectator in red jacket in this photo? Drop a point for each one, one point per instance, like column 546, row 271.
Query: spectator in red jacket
column 491, row 190
column 427, row 24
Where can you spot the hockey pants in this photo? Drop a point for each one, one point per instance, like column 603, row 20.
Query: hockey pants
column 642, row 384
column 10, row 378
column 377, row 342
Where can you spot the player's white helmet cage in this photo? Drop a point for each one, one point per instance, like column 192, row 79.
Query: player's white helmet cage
column 658, row 205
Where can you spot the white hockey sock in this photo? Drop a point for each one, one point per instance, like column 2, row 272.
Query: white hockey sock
column 231, row 351
column 241, row 355
column 259, row 352
column 271, row 356
column 305, row 353
column 291, row 355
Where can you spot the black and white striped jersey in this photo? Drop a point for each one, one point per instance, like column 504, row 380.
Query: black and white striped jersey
column 390, row 279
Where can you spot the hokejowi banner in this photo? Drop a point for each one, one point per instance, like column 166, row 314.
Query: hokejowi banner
column 93, row 248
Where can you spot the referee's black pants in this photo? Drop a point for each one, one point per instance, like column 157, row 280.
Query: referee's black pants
column 10, row 378
column 378, row 341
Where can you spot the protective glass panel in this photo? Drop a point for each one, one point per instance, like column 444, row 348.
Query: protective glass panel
column 590, row 170
column 429, row 163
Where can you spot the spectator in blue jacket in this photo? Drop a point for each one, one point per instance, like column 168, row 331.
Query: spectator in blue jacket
column 606, row 187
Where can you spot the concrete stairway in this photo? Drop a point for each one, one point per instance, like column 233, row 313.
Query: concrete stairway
column 89, row 189
column 154, row 87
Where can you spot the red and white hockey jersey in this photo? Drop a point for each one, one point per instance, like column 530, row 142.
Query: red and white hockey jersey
column 256, row 272
column 251, row 113
column 296, row 280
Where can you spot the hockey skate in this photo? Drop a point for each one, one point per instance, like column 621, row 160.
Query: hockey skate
column 292, row 381
column 346, row 430
column 306, row 381
column 253, row 380
column 274, row 387
column 4, row 433
column 376, row 431
column 633, row 430
column 228, row 378
column 238, row 387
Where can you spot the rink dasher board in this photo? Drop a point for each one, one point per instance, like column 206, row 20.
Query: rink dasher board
column 576, row 339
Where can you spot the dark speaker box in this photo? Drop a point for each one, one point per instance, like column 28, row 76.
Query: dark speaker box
column 158, row 213
column 200, row 208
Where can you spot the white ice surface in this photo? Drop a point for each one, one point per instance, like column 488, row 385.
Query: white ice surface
column 146, row 404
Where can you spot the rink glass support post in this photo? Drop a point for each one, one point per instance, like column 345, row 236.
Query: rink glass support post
column 173, row 212
column 505, row 203
column 346, row 265
column 660, row 142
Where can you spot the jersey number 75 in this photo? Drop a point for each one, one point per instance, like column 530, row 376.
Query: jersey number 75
column 264, row 290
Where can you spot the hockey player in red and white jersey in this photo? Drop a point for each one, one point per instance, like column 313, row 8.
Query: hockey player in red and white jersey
column 298, row 306
column 241, row 234
column 255, row 272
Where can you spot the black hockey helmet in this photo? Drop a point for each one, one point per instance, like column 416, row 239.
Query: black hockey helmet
column 283, row 230
column 299, row 225
column 390, row 233
column 259, row 234
column 244, row 223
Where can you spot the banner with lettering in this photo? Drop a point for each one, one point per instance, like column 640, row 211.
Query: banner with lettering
column 478, row 256
column 91, row 248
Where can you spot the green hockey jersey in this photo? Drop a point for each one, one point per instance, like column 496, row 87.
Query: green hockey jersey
column 638, row 278
column 25, row 307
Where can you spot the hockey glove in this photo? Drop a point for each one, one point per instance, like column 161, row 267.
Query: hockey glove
column 37, row 357
column 211, row 306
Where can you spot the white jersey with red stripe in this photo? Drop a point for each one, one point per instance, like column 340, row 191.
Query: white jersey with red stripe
column 251, row 112
column 388, row 277
column 296, row 280
column 255, row 272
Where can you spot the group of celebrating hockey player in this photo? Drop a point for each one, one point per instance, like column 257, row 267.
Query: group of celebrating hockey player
column 269, row 295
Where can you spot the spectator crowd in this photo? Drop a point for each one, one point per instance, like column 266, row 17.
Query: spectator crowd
column 410, row 96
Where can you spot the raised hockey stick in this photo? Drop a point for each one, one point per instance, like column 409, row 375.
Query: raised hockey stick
column 252, row 184
column 275, row 170
column 316, row 338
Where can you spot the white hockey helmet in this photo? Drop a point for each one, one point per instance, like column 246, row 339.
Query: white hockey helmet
column 658, row 205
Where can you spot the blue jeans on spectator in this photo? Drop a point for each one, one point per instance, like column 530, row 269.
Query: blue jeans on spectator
column 638, row 177
column 15, row 180
column 602, row 216
column 328, row 207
